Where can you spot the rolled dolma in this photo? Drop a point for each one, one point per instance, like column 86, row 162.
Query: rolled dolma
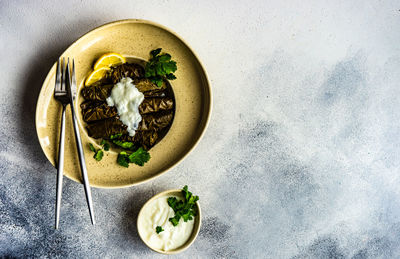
column 150, row 105
column 97, row 92
column 147, row 139
column 106, row 128
column 85, row 105
column 98, row 111
column 145, row 85
column 155, row 121
column 155, row 93
column 126, row 70
column 93, row 111
column 150, row 122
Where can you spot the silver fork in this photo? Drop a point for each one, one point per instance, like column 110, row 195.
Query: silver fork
column 61, row 95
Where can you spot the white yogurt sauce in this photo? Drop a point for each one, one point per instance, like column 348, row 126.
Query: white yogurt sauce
column 157, row 213
column 127, row 98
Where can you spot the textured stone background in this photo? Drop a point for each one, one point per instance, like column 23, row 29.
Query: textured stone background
column 302, row 155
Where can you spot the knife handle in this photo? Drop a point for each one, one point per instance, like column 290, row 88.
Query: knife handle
column 82, row 164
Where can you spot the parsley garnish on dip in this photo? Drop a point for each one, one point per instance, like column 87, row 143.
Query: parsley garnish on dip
column 159, row 229
column 167, row 222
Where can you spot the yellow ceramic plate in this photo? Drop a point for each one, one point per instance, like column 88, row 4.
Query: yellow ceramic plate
column 133, row 39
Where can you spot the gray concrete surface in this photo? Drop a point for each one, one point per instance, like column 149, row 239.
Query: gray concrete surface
column 302, row 155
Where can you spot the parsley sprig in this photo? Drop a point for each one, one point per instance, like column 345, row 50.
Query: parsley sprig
column 139, row 157
column 160, row 67
column 185, row 208
column 105, row 144
column 116, row 136
column 98, row 153
column 159, row 229
column 123, row 144
column 115, row 139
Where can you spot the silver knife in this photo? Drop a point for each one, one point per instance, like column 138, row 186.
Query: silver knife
column 71, row 88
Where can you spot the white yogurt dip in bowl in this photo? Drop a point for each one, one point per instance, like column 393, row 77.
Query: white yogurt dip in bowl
column 173, row 239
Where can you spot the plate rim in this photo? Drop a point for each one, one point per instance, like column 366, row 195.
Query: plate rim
column 196, row 142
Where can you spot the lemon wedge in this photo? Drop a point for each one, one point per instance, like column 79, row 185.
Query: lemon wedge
column 96, row 75
column 108, row 60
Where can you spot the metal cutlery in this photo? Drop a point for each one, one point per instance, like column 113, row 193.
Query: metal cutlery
column 65, row 93
column 61, row 95
column 71, row 89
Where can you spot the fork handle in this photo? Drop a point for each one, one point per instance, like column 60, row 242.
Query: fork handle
column 60, row 168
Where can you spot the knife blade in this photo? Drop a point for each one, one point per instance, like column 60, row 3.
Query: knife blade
column 71, row 87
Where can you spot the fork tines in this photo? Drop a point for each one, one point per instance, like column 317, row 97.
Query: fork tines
column 60, row 88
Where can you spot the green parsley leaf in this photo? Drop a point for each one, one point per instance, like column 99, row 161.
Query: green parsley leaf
column 106, row 146
column 150, row 71
column 175, row 220
column 160, row 67
column 116, row 136
column 159, row 229
column 139, row 157
column 98, row 155
column 125, row 145
column 158, row 82
column 123, row 159
column 170, row 76
column 155, row 52
column 169, row 67
column 185, row 209
column 92, row 147
column 103, row 142
column 186, row 193
column 165, row 57
column 188, row 216
column 172, row 202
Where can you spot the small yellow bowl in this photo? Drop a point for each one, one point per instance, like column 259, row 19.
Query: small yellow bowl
column 195, row 230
